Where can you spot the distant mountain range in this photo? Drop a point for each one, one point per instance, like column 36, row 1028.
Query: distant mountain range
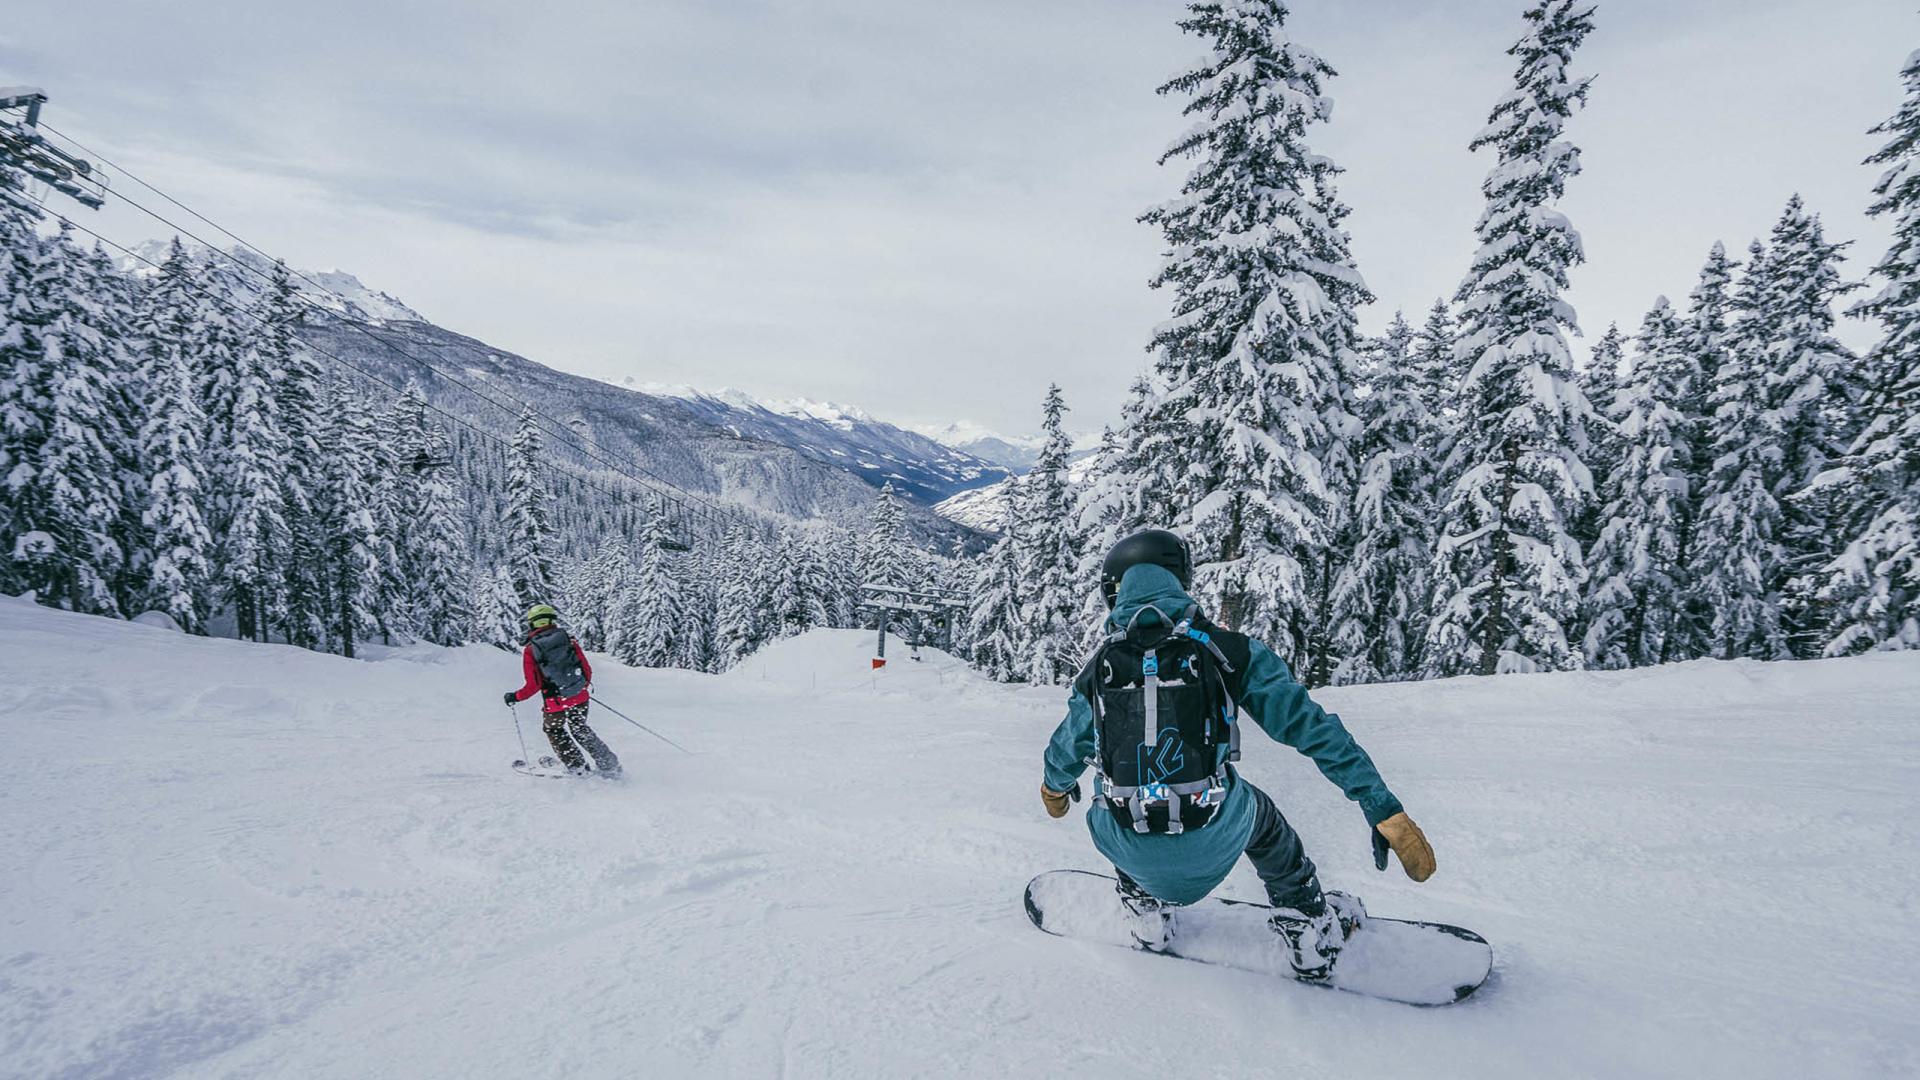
column 803, row 460
column 919, row 467
column 1016, row 453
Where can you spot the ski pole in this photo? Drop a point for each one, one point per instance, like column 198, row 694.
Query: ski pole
column 518, row 734
column 642, row 727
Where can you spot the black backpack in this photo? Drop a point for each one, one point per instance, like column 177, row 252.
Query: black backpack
column 560, row 674
column 1162, row 710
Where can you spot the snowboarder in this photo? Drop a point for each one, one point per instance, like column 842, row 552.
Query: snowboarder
column 557, row 669
column 1156, row 713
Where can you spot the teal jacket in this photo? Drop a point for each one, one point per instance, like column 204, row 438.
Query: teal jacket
column 1184, row 867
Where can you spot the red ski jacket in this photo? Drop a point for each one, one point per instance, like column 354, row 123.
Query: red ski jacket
column 533, row 682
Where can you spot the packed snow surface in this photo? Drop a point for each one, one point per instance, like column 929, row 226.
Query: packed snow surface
column 220, row 859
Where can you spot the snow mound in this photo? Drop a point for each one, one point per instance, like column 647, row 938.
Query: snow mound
column 837, row 660
column 227, row 859
column 158, row 619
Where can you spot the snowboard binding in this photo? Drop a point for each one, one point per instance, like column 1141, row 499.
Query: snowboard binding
column 1150, row 918
column 1313, row 942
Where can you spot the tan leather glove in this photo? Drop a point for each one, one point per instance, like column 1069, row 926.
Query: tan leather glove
column 1408, row 842
column 1057, row 800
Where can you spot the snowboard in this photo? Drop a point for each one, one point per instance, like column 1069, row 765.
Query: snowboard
column 1416, row 963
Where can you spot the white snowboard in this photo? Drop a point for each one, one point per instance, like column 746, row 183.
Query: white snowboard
column 1419, row 963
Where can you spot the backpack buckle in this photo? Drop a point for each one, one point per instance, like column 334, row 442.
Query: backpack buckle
column 1155, row 793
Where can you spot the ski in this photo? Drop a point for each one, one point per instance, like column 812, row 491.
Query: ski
column 546, row 767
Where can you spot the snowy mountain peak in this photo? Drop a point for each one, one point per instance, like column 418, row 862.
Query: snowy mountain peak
column 963, row 433
column 844, row 417
column 335, row 290
column 1015, row 452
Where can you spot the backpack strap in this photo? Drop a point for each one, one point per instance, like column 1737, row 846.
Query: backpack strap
column 1150, row 681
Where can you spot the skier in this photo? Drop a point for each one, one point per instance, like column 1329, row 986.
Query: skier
column 1156, row 713
column 557, row 669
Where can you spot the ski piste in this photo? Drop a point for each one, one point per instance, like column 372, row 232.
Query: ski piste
column 1415, row 963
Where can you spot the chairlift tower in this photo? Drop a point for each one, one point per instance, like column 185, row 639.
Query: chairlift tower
column 886, row 601
column 23, row 147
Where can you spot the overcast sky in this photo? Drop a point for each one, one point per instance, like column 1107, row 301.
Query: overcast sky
column 922, row 208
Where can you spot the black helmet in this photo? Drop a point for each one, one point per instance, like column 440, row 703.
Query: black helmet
column 1156, row 546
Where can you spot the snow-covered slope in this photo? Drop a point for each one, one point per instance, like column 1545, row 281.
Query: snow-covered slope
column 985, row 508
column 220, row 859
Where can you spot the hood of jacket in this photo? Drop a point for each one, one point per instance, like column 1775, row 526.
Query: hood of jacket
column 1149, row 595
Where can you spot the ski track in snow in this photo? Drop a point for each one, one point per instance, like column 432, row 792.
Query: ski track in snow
column 230, row 860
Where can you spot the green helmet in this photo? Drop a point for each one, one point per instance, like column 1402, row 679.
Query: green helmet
column 541, row 614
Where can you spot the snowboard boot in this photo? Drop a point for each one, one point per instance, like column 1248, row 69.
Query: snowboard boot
column 1149, row 918
column 1314, row 938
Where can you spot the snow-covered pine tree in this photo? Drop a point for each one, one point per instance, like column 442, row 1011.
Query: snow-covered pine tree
column 1129, row 487
column 1707, row 338
column 529, row 530
column 651, row 612
column 1050, row 559
column 218, row 371
column 1873, row 588
column 176, row 546
column 499, row 620
column 1099, row 505
column 593, row 591
column 884, row 559
column 24, row 382
column 300, row 391
column 1599, row 382
column 436, row 559
column 1636, row 591
column 63, row 484
column 995, row 621
column 254, row 458
column 1814, row 389
column 793, row 595
column 1737, row 555
column 1709, row 322
column 956, row 583
column 812, row 582
column 836, row 554
column 697, row 625
column 1435, row 362
column 1252, row 363
column 1508, row 570
column 400, row 464
column 739, row 627
column 113, row 297
column 1436, row 375
column 352, row 563
column 1379, row 596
